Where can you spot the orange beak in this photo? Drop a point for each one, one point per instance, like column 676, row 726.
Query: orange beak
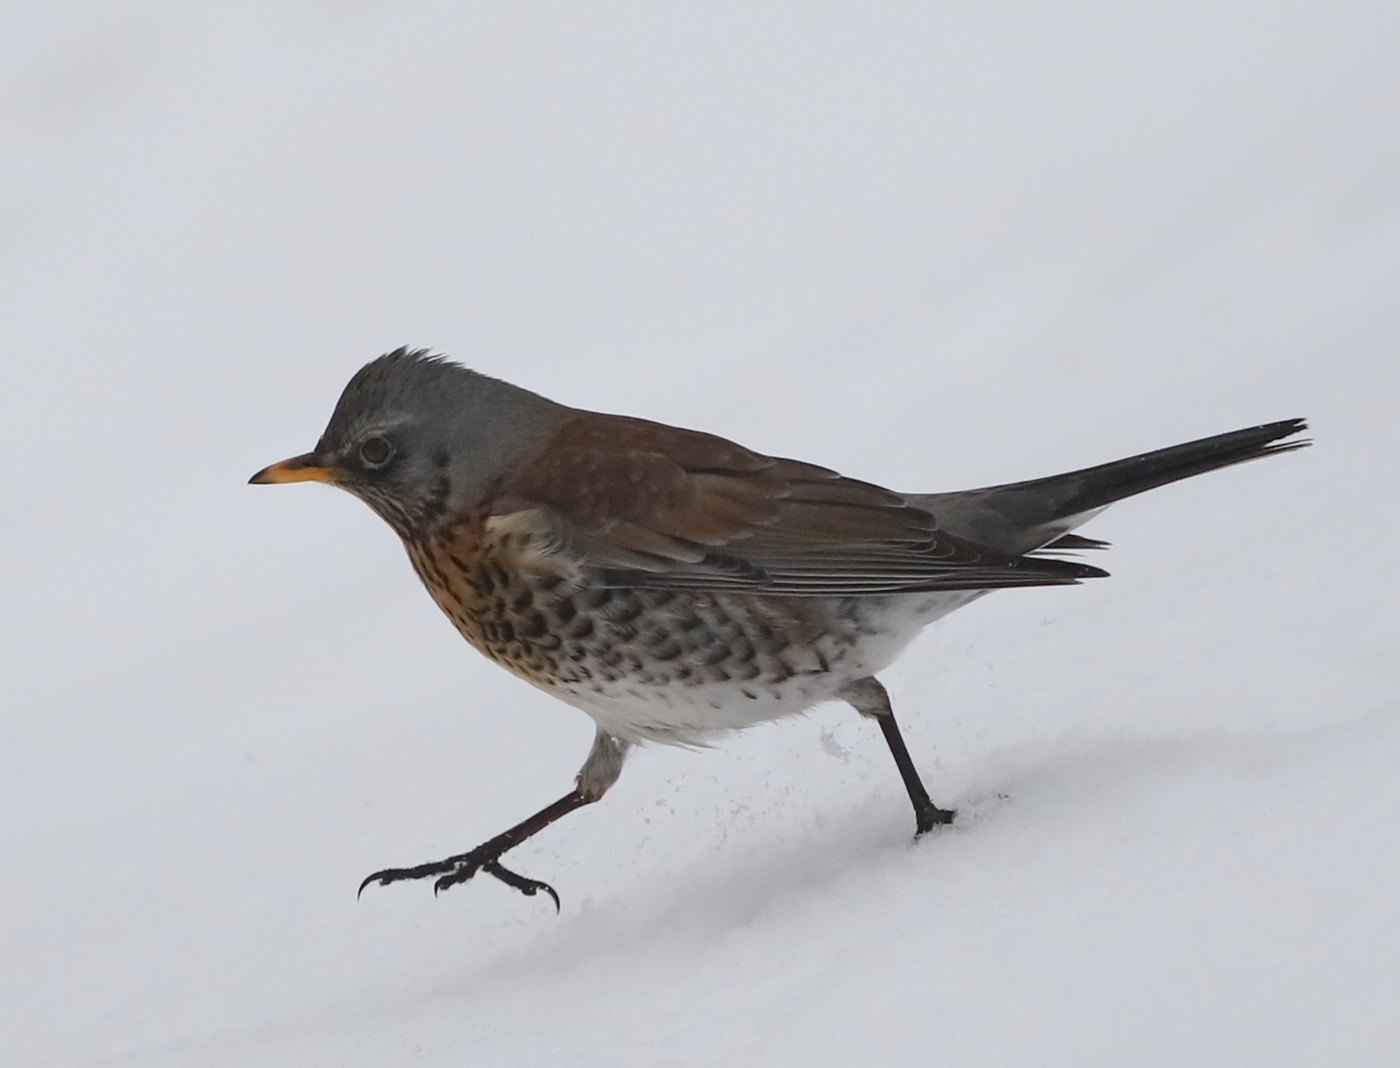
column 305, row 468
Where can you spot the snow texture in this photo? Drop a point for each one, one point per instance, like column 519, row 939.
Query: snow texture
column 933, row 246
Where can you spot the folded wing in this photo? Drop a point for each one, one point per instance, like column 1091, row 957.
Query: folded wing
column 640, row 504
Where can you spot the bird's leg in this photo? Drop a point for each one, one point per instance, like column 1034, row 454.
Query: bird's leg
column 927, row 815
column 599, row 772
column 869, row 698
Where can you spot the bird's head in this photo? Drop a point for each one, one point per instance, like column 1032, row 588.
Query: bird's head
column 421, row 439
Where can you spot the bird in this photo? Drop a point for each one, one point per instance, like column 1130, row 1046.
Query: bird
column 674, row 585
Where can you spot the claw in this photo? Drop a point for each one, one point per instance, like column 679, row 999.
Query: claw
column 459, row 869
column 487, row 856
column 383, row 878
column 394, row 875
column 452, row 878
column 527, row 886
column 931, row 817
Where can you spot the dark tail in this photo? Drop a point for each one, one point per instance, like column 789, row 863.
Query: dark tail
column 1023, row 516
column 1094, row 487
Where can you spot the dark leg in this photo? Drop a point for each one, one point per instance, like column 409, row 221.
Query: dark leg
column 869, row 698
column 927, row 815
column 598, row 773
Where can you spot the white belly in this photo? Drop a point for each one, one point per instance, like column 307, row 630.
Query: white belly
column 872, row 634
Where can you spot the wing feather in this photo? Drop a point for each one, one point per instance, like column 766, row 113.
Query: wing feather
column 635, row 503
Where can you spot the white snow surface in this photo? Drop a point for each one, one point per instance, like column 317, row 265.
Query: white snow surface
column 930, row 245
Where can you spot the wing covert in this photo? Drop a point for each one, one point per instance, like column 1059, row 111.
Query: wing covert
column 636, row 503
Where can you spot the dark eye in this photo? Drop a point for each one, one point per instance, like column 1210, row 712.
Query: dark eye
column 375, row 450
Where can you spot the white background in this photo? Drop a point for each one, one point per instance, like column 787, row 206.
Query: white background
column 931, row 245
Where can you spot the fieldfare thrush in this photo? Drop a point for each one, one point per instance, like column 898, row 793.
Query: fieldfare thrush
column 673, row 584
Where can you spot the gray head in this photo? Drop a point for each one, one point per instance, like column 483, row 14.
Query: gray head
column 419, row 438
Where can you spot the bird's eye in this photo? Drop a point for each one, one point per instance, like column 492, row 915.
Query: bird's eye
column 375, row 450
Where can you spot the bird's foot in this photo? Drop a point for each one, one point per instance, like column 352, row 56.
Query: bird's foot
column 927, row 817
column 459, row 869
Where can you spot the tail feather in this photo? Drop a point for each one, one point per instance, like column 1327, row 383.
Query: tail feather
column 1073, row 543
column 1020, row 517
column 1095, row 487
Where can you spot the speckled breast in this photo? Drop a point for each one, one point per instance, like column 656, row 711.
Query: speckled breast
column 661, row 664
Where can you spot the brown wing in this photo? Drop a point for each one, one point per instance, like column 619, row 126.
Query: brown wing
column 637, row 503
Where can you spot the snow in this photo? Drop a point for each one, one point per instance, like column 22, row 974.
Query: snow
column 933, row 246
